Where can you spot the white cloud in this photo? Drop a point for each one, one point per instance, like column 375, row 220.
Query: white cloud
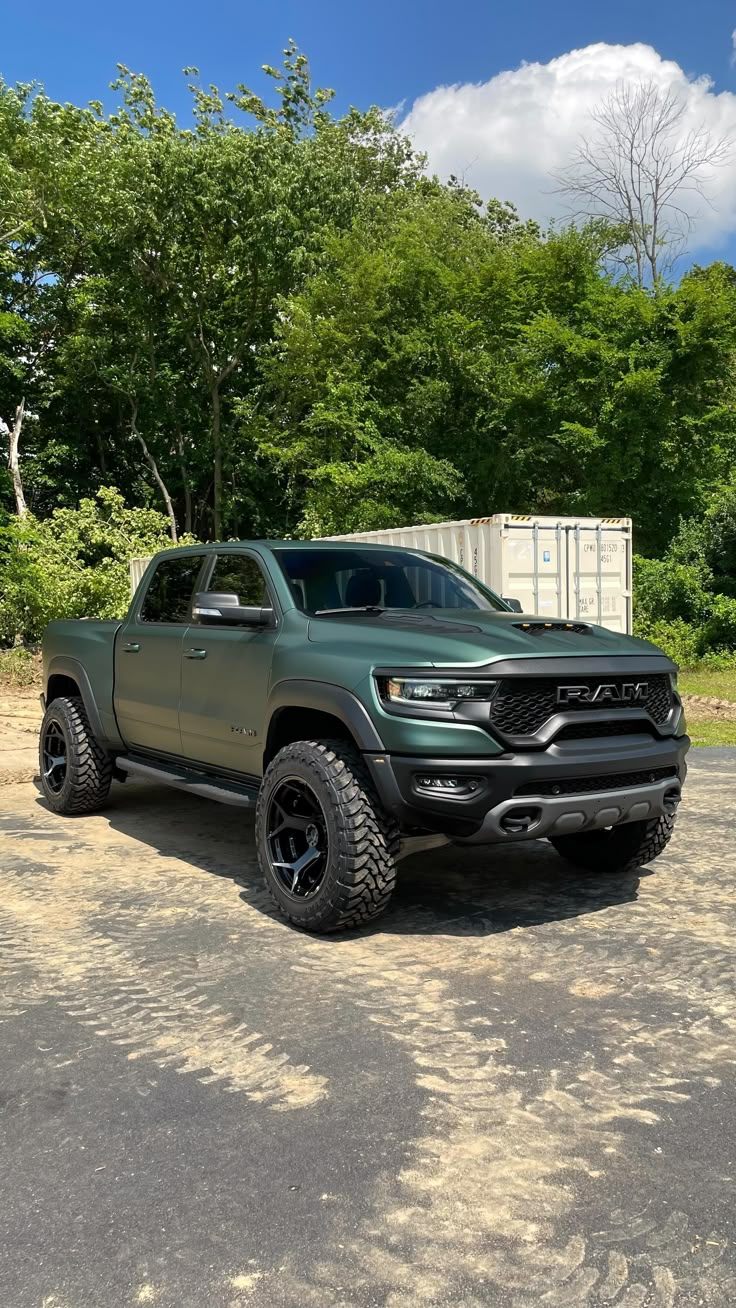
column 506, row 136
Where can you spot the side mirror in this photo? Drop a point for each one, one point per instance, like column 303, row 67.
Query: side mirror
column 514, row 604
column 217, row 606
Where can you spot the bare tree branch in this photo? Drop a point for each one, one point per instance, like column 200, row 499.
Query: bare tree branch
column 154, row 469
column 21, row 507
column 635, row 168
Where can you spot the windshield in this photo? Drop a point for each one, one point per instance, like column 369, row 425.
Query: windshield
column 326, row 580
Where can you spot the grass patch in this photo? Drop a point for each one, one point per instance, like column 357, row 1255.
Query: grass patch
column 712, row 732
column 20, row 669
column 709, row 681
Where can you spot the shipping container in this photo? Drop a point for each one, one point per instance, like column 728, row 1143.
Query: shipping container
column 137, row 568
column 556, row 567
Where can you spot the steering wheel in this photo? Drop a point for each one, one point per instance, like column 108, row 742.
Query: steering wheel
column 428, row 604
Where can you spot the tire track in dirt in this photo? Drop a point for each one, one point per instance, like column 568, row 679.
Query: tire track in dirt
column 477, row 1215
column 486, row 1208
column 147, row 1010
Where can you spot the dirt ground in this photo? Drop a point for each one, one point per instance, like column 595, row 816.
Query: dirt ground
column 517, row 1090
column 20, row 716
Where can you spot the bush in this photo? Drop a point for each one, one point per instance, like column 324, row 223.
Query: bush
column 720, row 630
column 73, row 564
column 719, row 660
column 19, row 668
column 681, row 641
column 668, row 591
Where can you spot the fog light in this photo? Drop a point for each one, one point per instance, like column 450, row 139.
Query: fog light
column 447, row 785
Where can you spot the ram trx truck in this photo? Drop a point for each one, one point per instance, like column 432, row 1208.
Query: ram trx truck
column 367, row 701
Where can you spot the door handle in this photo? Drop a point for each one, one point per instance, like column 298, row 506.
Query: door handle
column 131, row 648
column 195, row 653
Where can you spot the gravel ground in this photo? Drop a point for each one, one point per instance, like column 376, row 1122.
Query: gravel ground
column 516, row 1090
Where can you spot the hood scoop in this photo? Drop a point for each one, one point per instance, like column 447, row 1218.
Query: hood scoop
column 409, row 620
column 542, row 628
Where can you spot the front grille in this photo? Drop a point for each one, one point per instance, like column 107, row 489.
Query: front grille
column 591, row 730
column 588, row 785
column 523, row 705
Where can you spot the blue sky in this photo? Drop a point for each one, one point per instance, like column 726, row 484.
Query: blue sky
column 391, row 53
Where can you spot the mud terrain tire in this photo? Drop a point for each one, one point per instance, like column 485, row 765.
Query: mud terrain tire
column 80, row 782
column 347, row 850
column 619, row 849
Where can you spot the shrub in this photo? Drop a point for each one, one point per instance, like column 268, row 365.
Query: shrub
column 73, row 564
column 19, row 668
column 668, row 591
column 719, row 632
column 681, row 641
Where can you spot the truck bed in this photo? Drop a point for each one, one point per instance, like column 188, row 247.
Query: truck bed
column 84, row 650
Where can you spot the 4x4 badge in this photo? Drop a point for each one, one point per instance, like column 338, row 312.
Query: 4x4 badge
column 630, row 692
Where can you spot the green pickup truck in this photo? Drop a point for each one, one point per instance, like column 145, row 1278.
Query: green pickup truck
column 367, row 701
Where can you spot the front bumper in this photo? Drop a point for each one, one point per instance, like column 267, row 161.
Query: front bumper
column 600, row 783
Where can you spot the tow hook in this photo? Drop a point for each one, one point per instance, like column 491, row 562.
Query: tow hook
column 518, row 820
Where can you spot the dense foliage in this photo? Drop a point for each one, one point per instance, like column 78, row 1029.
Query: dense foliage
column 74, row 563
column 271, row 322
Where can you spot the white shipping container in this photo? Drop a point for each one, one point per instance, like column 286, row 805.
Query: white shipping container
column 556, row 567
column 137, row 568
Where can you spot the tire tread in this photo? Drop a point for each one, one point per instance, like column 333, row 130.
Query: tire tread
column 369, row 837
column 89, row 768
column 592, row 851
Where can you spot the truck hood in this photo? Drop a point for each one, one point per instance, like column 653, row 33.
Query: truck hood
column 447, row 637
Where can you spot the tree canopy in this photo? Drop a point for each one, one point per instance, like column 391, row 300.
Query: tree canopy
column 271, row 321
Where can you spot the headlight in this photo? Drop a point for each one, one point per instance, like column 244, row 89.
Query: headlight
column 442, row 692
column 673, row 681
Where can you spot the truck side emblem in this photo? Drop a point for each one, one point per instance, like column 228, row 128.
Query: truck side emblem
column 243, row 731
column 630, row 692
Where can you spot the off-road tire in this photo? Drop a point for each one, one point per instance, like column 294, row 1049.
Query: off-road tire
column 363, row 839
column 88, row 777
column 619, row 849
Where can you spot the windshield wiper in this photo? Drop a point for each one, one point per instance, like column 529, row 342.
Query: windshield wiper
column 359, row 608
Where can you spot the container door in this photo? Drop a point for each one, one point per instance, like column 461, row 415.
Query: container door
column 529, row 563
column 599, row 575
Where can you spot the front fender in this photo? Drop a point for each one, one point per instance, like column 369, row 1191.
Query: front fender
column 324, row 697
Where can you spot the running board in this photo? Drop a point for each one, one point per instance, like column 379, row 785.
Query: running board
column 225, row 792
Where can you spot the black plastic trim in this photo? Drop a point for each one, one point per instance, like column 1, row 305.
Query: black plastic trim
column 324, row 697
column 195, row 783
column 67, row 667
column 393, row 775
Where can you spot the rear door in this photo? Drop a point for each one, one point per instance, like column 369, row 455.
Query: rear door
column 148, row 656
column 226, row 673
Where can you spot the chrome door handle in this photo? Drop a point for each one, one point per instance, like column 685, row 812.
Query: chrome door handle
column 131, row 648
column 195, row 653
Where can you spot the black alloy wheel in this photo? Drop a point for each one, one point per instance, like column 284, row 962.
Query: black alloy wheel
column 296, row 833
column 53, row 757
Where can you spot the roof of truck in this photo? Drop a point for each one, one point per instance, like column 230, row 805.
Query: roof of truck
column 287, row 544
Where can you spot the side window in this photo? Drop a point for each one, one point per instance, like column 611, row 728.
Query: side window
column 237, row 574
column 169, row 594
